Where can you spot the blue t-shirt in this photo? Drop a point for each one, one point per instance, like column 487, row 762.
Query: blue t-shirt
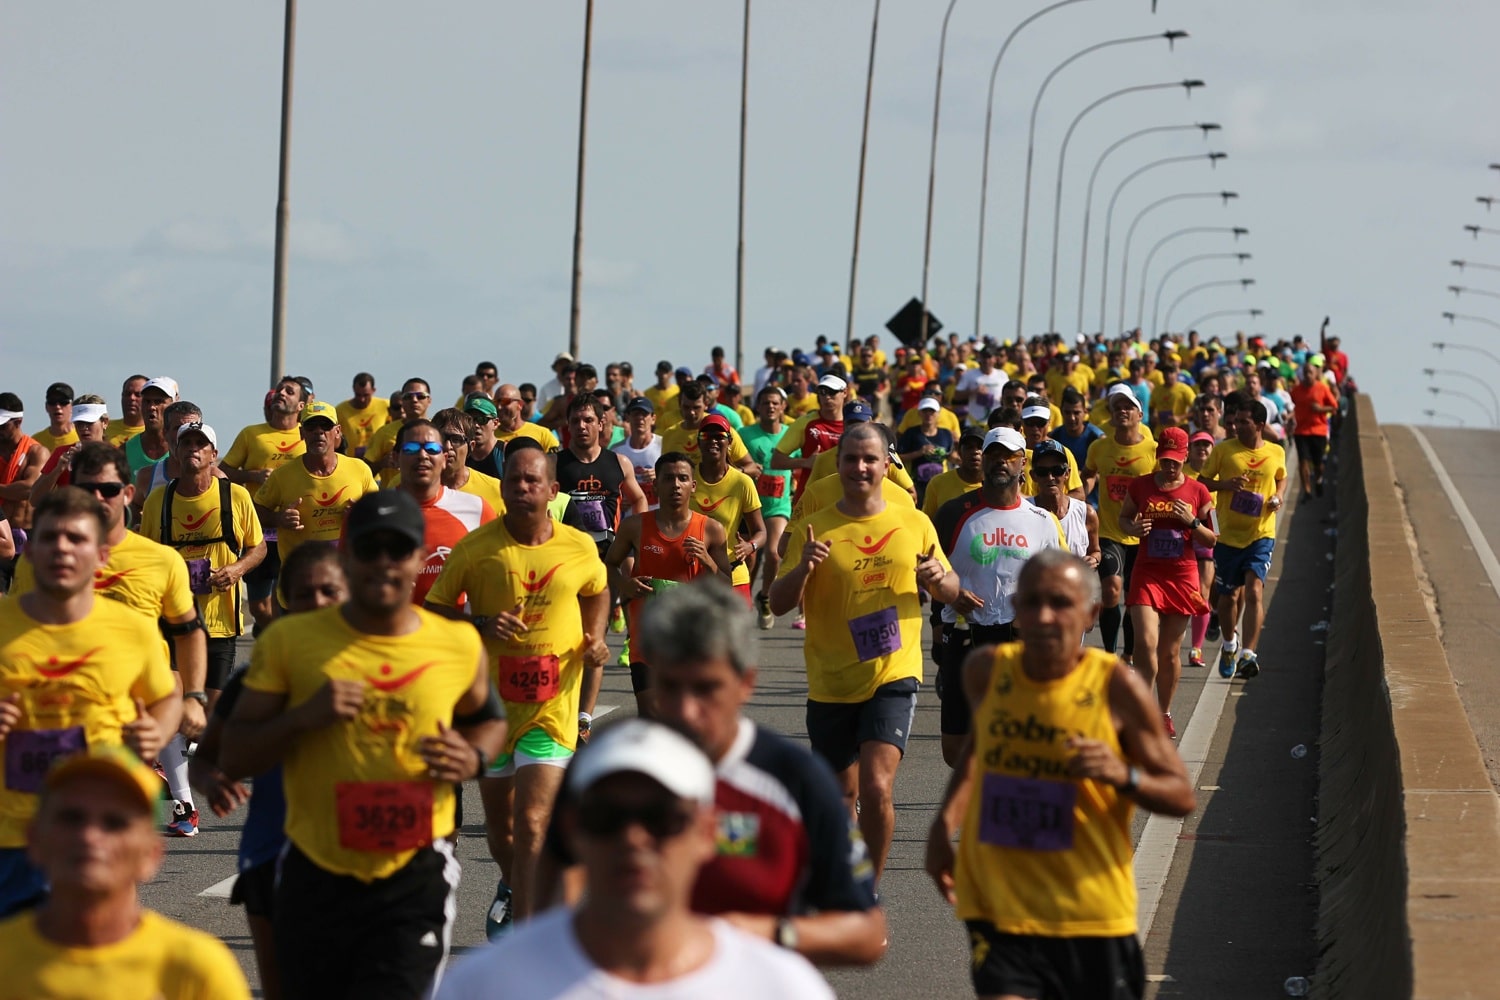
column 1079, row 446
column 262, row 836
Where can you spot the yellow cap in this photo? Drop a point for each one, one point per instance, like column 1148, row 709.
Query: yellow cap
column 110, row 761
column 318, row 408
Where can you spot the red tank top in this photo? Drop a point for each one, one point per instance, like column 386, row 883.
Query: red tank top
column 662, row 558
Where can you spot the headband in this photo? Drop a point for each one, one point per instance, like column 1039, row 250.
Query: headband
column 6, row 416
column 87, row 413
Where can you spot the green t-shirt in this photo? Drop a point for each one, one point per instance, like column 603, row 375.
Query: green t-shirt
column 775, row 488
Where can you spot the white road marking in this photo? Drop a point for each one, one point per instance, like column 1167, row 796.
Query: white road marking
column 1466, row 518
column 221, row 889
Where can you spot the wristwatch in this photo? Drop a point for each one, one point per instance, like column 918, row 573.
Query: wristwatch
column 1194, row 525
column 786, row 933
column 198, row 696
column 1132, row 780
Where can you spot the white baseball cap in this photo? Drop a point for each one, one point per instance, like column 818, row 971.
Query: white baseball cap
column 832, row 382
column 1124, row 391
column 1037, row 413
column 87, row 413
column 1007, row 437
column 649, row 748
column 929, row 403
column 198, row 428
column 163, row 384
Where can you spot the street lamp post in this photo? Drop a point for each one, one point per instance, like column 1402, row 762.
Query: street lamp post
column 283, row 205
column 1445, row 346
column 937, row 103
column 1243, row 283
column 739, row 252
column 1171, row 38
column 1161, row 285
column 574, row 324
column 1252, row 313
column 1436, row 414
column 1109, row 214
column 1062, row 154
column 1476, row 230
column 1088, row 198
column 859, row 191
column 1235, row 231
column 1494, row 413
column 1227, row 196
column 1458, row 290
column 1446, row 391
column 1451, row 316
column 1461, row 264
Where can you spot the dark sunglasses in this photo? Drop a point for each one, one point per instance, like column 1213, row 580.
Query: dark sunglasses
column 1049, row 471
column 417, row 447
column 59, row 401
column 414, row 395
column 456, row 440
column 824, row 391
column 106, row 490
column 662, row 820
column 371, row 547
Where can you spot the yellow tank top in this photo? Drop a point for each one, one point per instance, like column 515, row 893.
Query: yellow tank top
column 1041, row 853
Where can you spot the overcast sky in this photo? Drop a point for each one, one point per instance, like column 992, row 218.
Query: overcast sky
column 433, row 164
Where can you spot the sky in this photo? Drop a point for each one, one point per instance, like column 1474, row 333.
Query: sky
column 434, row 154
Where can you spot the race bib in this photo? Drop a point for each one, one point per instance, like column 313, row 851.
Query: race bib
column 387, row 816
column 927, row 471
column 1026, row 813
column 770, row 487
column 1165, row 544
column 30, row 753
column 648, row 488
column 1116, row 487
column 1246, row 502
column 198, row 572
column 530, row 679
column 876, row 634
column 590, row 514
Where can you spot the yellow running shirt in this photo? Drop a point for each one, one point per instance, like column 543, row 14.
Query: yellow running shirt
column 321, row 500
column 341, row 775
column 1116, row 465
column 538, row 675
column 726, row 502
column 946, row 420
column 77, row 684
column 864, row 618
column 359, row 426
column 197, row 519
column 52, row 442
column 945, row 486
column 665, row 401
column 1174, row 399
column 1041, row 853
column 148, row 578
column 379, row 448
column 158, row 958
column 1244, row 515
column 681, row 439
column 118, row 433
column 828, row 491
column 826, row 464
column 536, row 432
column 261, row 446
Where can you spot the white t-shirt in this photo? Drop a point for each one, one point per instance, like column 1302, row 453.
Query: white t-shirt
column 642, row 460
column 542, row 960
column 984, row 392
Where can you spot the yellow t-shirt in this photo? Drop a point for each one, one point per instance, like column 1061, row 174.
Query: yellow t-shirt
column 1075, row 481
column 946, row 420
column 828, row 491
column 77, row 684
column 341, row 776
column 148, row 578
column 159, row 958
column 261, row 446
column 52, row 442
column 801, row 407
column 536, row 432
column 665, row 401
column 1176, row 400
column 1245, row 516
column 322, row 501
column 1116, row 465
column 486, row 487
column 197, row 519
column 1081, row 379
column 538, row 674
column 119, row 433
column 379, row 447
column 945, row 486
column 359, row 426
column 826, row 465
column 681, row 439
column 1064, row 869
column 726, row 502
column 864, row 618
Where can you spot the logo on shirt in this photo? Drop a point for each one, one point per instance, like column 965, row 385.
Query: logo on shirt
column 55, row 669
column 102, row 582
column 871, row 548
column 1257, row 463
column 331, row 499
column 590, row 485
column 709, row 507
column 1125, row 463
column 194, row 523
column 388, row 683
column 531, row 584
column 284, row 448
column 987, row 547
column 738, row 835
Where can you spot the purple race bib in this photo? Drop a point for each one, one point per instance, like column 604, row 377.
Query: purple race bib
column 1026, row 813
column 1245, row 502
column 1164, row 544
column 928, row 471
column 29, row 754
column 198, row 573
column 591, row 515
column 876, row 634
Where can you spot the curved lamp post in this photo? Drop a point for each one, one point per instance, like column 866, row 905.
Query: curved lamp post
column 1460, row 289
column 1244, row 283
column 1062, row 154
column 1161, row 285
column 1461, row 264
column 937, row 103
column 1435, row 414
column 1444, row 392
column 1476, row 230
column 1494, row 410
column 1224, row 196
column 1252, row 313
column 1451, row 316
column 1445, row 346
column 1236, row 231
column 1088, row 198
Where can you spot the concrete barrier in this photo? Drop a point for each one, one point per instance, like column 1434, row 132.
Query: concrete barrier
column 1408, row 838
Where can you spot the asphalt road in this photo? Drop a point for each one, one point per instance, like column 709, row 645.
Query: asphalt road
column 1235, row 915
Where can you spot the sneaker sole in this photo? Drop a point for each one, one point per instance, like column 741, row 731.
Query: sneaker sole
column 1247, row 670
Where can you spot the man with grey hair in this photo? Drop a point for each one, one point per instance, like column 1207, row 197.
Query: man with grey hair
column 789, row 866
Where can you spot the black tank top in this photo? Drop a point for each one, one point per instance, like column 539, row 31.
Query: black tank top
column 595, row 491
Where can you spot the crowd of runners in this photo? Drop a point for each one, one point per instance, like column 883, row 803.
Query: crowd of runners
column 426, row 593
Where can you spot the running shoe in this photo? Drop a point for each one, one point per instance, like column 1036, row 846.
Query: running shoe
column 1166, row 718
column 1226, row 663
column 763, row 611
column 1195, row 658
column 1248, row 665
column 801, row 622
column 617, row 620
column 624, row 658
column 184, row 821
column 499, row 919
column 1213, row 626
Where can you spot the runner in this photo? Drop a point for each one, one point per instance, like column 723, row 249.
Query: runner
column 693, row 406
column 813, row 433
column 642, row 446
column 375, row 709
column 1172, row 400
column 486, row 453
column 663, row 396
column 361, row 415
column 151, row 445
column 539, row 596
column 926, row 447
column 981, row 387
column 94, row 842
column 120, row 691
column 642, row 801
column 1043, row 876
column 598, row 480
column 416, row 397
column 130, row 423
column 1315, row 402
column 1170, row 514
column 967, row 473
column 176, row 416
column 729, row 497
column 21, row 461
column 1080, row 523
column 1204, row 625
column 857, row 567
column 312, row 579
column 774, row 489
column 59, row 432
column 513, row 423
column 1036, row 417
column 1249, row 475
column 448, row 515
column 988, row 535
column 90, row 423
column 1113, row 461
column 457, row 429
column 663, row 547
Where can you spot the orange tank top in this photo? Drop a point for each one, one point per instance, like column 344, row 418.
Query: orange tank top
column 664, row 560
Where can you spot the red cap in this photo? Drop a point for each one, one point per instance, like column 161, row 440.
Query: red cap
column 1172, row 443
column 715, row 422
column 1202, row 436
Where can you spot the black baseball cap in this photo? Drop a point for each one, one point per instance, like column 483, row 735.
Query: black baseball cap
column 386, row 510
column 59, row 392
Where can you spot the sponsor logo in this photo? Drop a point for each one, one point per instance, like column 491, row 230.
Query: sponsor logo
column 54, row 669
column 335, row 499
column 1125, row 463
column 102, row 582
column 193, row 524
column 870, row 548
column 1256, row 463
column 589, row 485
column 284, row 448
column 531, row 584
column 870, row 579
column 387, row 683
column 706, row 506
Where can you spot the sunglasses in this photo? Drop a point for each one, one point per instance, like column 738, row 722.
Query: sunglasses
column 371, row 547
column 507, row 400
column 1049, row 471
column 456, row 440
column 417, row 447
column 829, row 392
column 663, row 820
column 106, row 490
column 414, row 395
column 59, row 402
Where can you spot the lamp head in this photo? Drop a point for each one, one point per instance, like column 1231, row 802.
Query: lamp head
column 1240, row 231
column 1192, row 85
column 1486, row 201
column 1243, row 257
column 1173, row 36
column 1246, row 282
column 1455, row 289
column 1429, row 372
column 1257, row 312
column 1214, row 158
column 1474, row 230
column 1227, row 195
column 1450, row 317
column 1439, row 344
column 1434, row 390
column 1458, row 264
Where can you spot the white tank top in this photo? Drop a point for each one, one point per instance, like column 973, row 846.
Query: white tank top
column 1075, row 526
column 642, row 460
column 159, row 476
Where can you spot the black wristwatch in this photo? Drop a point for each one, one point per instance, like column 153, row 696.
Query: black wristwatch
column 484, row 764
column 1194, row 526
column 199, row 696
column 1132, row 780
